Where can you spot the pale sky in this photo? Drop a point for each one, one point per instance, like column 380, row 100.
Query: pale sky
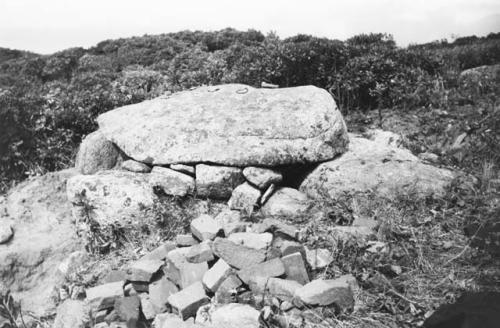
column 52, row 25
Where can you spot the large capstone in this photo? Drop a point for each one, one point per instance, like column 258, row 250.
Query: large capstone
column 233, row 124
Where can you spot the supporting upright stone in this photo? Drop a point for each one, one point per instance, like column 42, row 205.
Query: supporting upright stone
column 217, row 181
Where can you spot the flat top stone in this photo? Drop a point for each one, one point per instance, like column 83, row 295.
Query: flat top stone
column 231, row 124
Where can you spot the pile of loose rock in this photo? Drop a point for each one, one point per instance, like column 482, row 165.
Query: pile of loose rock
column 226, row 273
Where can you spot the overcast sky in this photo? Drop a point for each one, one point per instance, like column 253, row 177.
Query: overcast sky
column 52, row 25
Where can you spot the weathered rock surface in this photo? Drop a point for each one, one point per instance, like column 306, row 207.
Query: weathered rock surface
column 135, row 166
column 217, row 181
column 96, row 153
column 235, row 315
column 244, row 198
column 236, row 255
column 111, row 196
column 230, row 124
column 171, row 182
column 286, row 202
column 40, row 215
column 72, row 314
column 374, row 166
column 295, row 268
column 262, row 177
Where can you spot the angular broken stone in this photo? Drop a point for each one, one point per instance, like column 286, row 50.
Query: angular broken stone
column 236, row 255
column 252, row 239
column 288, row 247
column 217, row 182
column 262, row 177
column 187, row 301
column 268, row 269
column 295, row 268
column 186, row 169
column 147, row 307
column 283, row 289
column 319, row 259
column 144, row 270
column 180, row 271
column 205, row 227
column 230, row 221
column 214, row 277
column 135, row 166
column 244, row 198
column 128, row 310
column 227, row 291
column 277, row 227
column 104, row 296
column 201, row 252
column 326, row 292
column 185, row 240
column 160, row 253
column 159, row 292
column 171, row 182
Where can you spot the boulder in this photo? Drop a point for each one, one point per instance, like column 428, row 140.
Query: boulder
column 217, row 181
column 287, row 202
column 135, row 166
column 375, row 166
column 96, row 153
column 230, row 124
column 261, row 177
column 171, row 182
column 111, row 196
column 40, row 215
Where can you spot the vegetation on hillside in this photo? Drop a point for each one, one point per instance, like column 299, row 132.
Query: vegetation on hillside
column 48, row 103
